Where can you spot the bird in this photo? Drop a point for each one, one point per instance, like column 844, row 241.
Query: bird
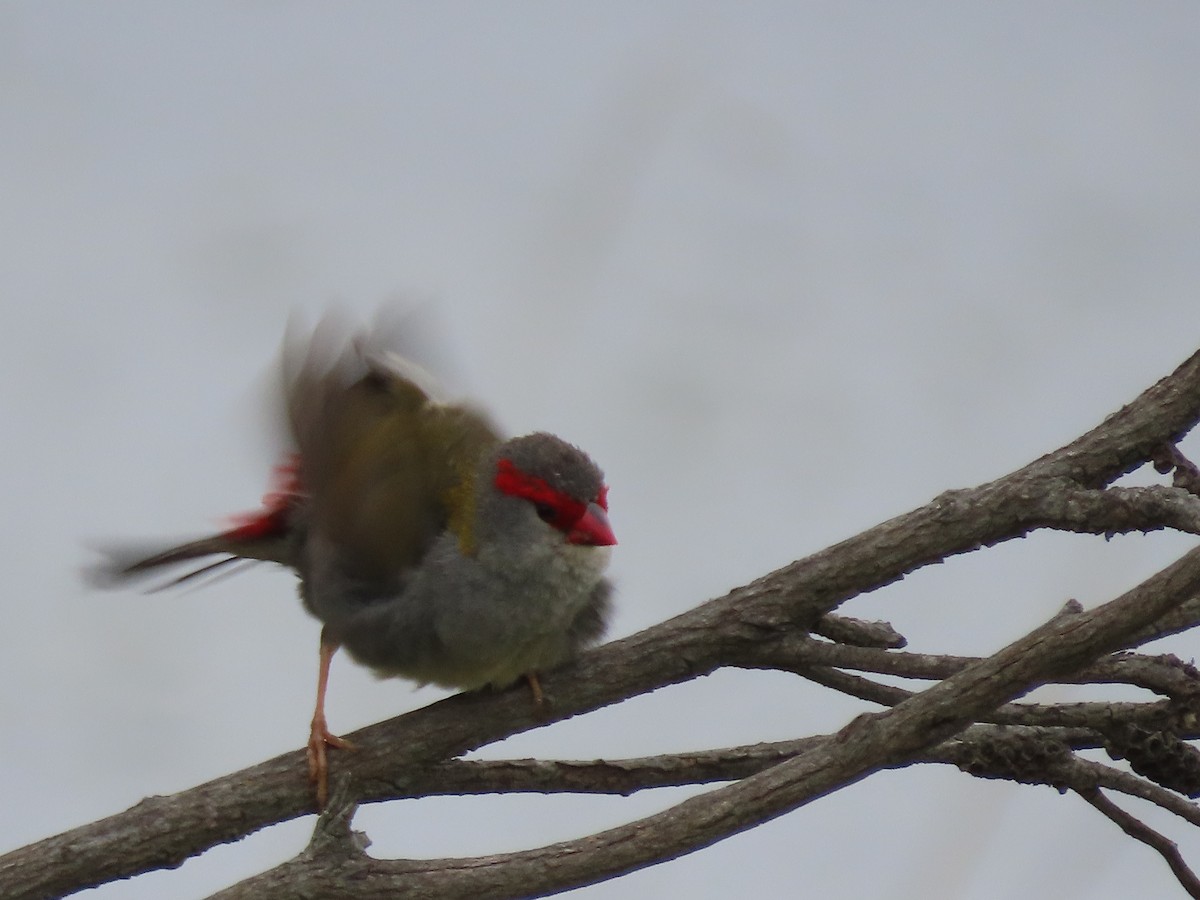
column 429, row 547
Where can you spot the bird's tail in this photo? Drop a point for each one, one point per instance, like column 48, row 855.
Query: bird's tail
column 270, row 534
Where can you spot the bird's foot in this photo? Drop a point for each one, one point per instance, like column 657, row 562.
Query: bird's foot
column 535, row 688
column 320, row 737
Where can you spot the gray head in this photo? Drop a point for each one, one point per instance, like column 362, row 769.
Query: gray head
column 543, row 488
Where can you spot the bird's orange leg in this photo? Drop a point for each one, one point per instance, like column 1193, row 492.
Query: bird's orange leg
column 535, row 687
column 319, row 736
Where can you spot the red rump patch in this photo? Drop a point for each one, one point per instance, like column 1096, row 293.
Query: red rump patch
column 272, row 519
column 555, row 507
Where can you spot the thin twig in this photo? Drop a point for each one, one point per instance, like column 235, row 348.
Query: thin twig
column 1139, row 830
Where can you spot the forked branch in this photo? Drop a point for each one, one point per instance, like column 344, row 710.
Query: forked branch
column 765, row 623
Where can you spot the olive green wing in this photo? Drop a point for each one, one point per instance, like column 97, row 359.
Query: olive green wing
column 387, row 469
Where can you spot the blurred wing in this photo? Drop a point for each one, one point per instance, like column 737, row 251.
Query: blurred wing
column 386, row 468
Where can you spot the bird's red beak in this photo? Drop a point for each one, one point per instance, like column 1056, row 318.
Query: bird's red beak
column 592, row 529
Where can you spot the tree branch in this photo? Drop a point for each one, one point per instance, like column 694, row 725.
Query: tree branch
column 1139, row 830
column 1069, row 640
column 1065, row 490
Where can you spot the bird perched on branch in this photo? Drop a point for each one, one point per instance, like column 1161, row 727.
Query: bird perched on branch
column 428, row 546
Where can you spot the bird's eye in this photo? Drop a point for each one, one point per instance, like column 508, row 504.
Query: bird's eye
column 546, row 512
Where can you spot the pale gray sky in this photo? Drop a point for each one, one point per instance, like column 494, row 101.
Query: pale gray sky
column 784, row 269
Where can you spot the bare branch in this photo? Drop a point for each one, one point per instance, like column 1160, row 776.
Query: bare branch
column 822, row 663
column 1117, row 510
column 1071, row 639
column 1139, row 830
column 857, row 633
column 1064, row 490
column 1056, row 715
column 1102, row 776
column 1186, row 616
column 1169, row 457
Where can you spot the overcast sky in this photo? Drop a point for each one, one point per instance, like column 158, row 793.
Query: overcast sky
column 784, row 269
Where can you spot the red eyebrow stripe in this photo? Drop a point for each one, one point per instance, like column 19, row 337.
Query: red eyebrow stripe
column 512, row 481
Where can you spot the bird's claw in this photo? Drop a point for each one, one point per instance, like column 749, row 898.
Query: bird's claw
column 319, row 738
